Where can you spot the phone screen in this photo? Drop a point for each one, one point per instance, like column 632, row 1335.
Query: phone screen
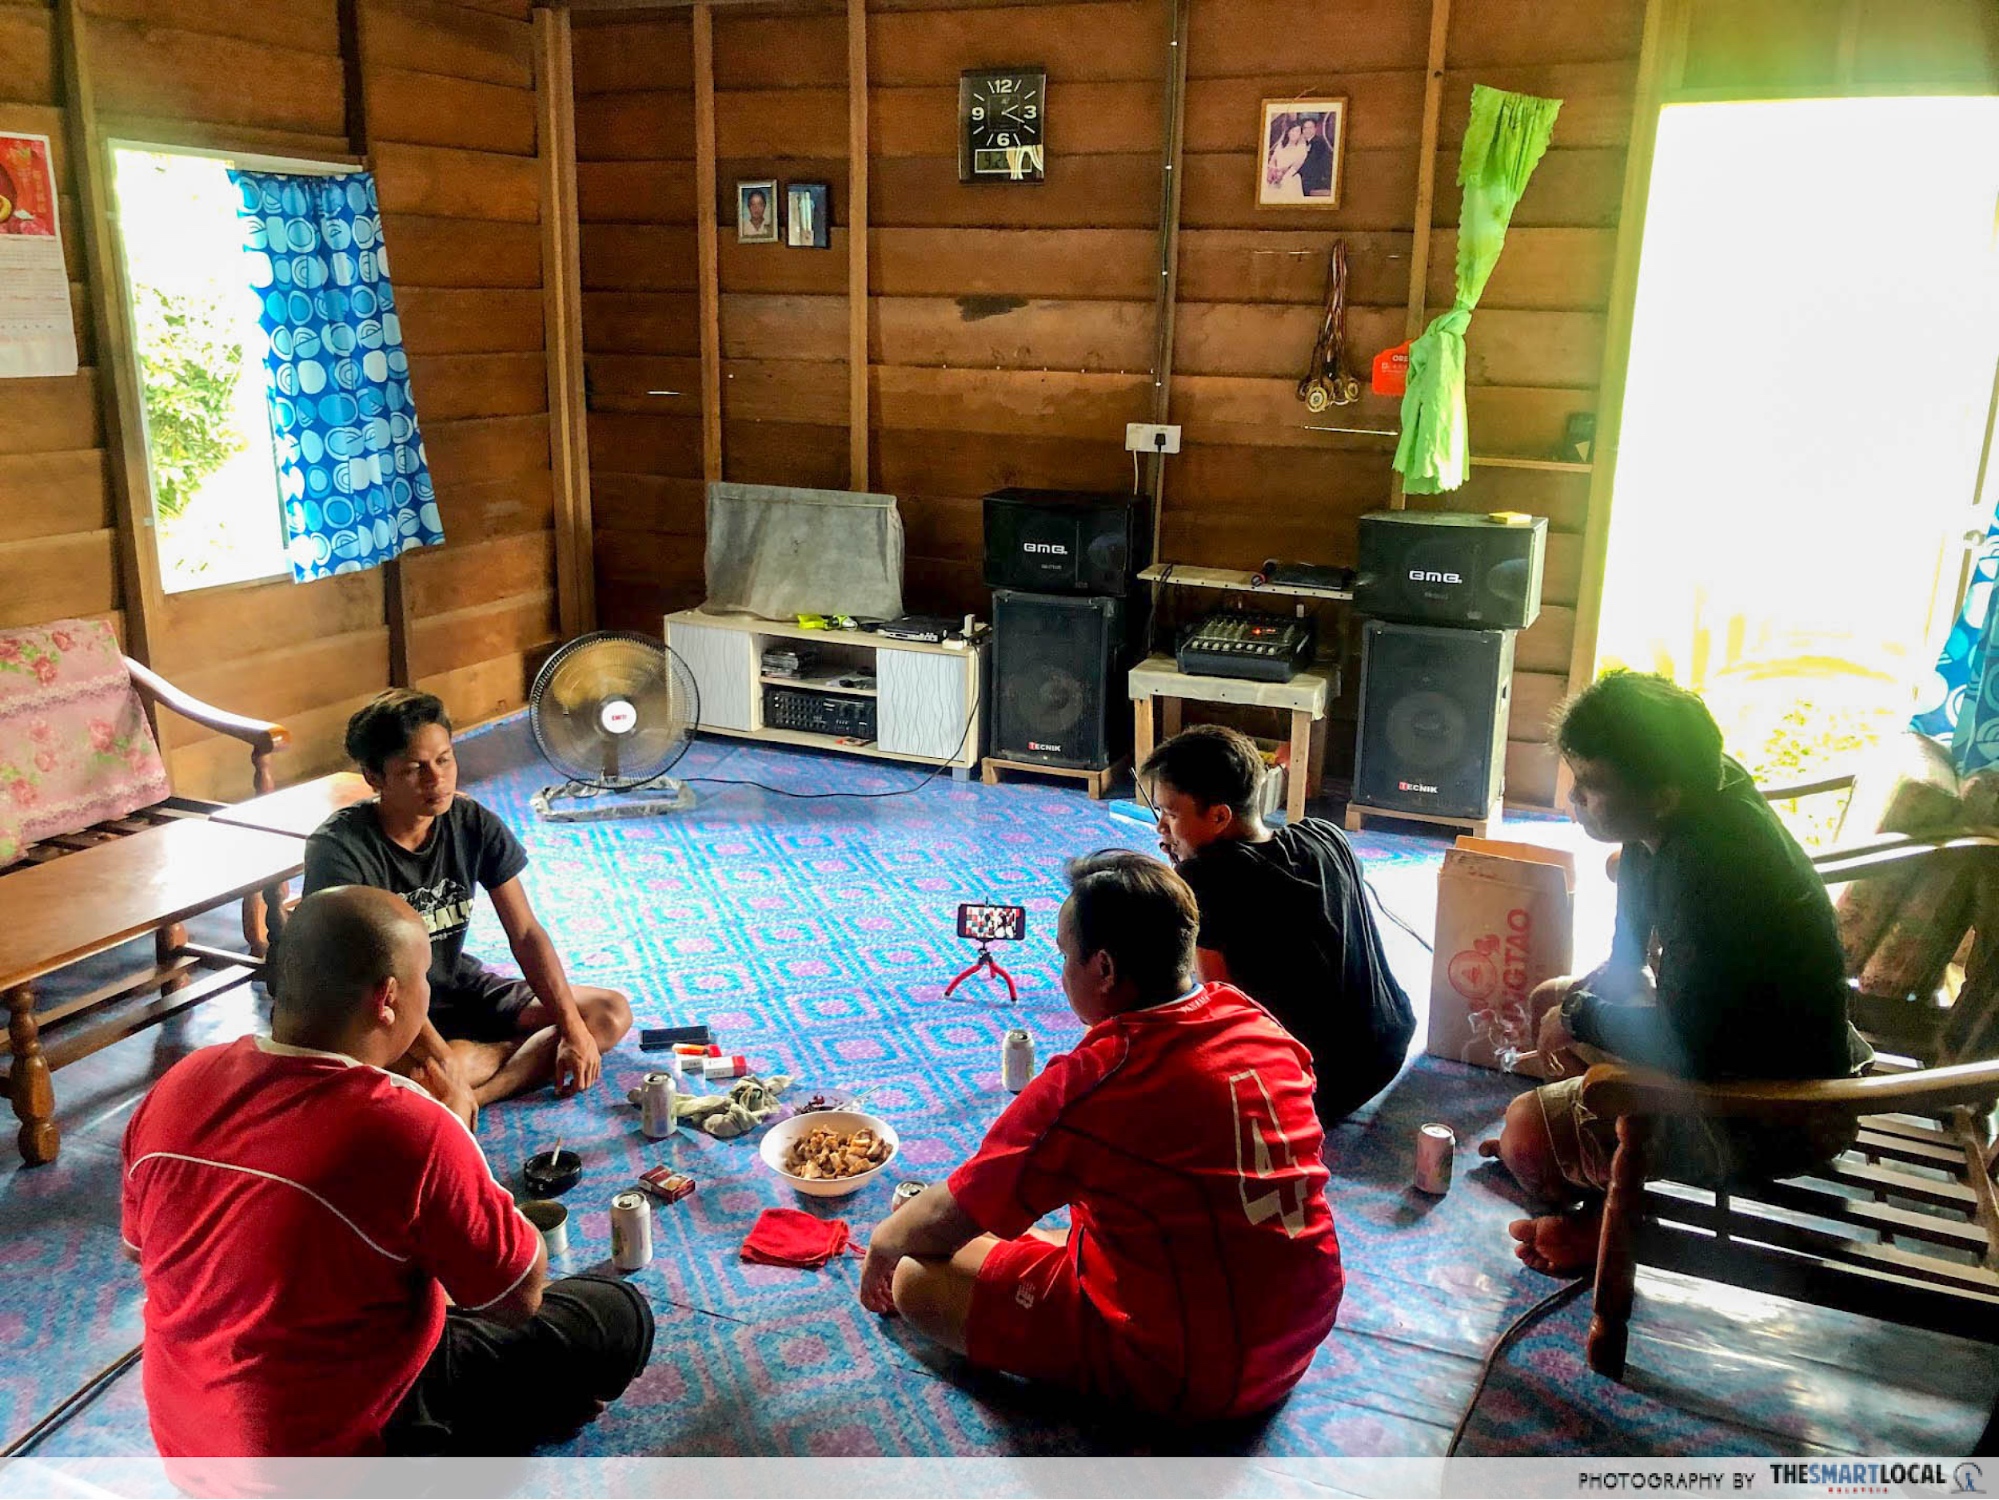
column 992, row 924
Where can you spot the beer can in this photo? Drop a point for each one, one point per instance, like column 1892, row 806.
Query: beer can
column 1016, row 1060
column 631, row 1231
column 1435, row 1146
column 904, row 1191
column 658, row 1095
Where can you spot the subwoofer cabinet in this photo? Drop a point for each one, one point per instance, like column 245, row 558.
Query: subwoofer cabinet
column 1434, row 703
column 1058, row 667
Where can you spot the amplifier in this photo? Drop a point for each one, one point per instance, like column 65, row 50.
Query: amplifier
column 840, row 714
column 1241, row 643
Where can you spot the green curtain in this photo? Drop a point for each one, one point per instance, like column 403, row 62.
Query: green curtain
column 1503, row 145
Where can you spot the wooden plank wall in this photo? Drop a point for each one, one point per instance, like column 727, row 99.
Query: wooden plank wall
column 449, row 94
column 1012, row 328
column 641, row 314
column 58, row 546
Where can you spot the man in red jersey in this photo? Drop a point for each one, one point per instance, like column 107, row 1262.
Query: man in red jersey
column 300, row 1214
column 1202, row 1269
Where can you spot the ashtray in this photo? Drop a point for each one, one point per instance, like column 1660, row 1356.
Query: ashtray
column 551, row 1174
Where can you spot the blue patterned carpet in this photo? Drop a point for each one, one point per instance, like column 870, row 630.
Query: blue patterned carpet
column 816, row 936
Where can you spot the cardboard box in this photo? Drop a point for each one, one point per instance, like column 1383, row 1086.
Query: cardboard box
column 1505, row 923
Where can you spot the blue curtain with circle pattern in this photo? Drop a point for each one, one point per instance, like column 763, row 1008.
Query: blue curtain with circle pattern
column 1961, row 701
column 351, row 468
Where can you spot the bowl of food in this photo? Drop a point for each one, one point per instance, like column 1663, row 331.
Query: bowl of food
column 829, row 1153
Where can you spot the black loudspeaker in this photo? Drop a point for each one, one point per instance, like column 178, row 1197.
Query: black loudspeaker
column 1066, row 541
column 1433, row 710
column 1430, row 568
column 1056, row 660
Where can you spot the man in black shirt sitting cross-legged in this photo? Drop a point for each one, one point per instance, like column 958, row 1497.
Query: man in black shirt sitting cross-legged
column 422, row 840
column 1746, row 978
column 1284, row 914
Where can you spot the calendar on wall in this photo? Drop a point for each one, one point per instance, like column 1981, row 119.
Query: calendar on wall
column 37, row 331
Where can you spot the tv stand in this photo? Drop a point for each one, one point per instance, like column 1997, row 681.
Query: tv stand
column 927, row 697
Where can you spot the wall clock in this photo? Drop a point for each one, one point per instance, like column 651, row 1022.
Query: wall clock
column 1001, row 112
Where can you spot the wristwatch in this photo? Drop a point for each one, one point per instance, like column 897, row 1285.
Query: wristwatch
column 1573, row 1002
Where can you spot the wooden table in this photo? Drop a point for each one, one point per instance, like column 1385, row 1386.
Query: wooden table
column 1304, row 697
column 296, row 812
column 85, row 903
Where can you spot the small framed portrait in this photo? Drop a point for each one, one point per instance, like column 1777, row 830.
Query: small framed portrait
column 805, row 217
column 1304, row 148
column 756, row 213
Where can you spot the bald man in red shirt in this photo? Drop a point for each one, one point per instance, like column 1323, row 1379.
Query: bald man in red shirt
column 1202, row 1270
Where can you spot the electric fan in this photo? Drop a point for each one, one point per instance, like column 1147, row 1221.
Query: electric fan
column 613, row 712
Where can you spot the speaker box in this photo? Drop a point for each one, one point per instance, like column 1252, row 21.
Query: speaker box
column 1433, row 711
column 1057, row 659
column 1066, row 541
column 1431, row 568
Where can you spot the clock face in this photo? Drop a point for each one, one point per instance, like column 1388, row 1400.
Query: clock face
column 1001, row 112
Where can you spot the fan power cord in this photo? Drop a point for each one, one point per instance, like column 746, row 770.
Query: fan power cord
column 1560, row 1297
column 71, row 1404
column 901, row 791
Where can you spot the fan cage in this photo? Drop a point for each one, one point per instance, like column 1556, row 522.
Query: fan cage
column 677, row 673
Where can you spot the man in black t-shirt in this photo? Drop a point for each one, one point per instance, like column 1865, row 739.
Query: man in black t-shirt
column 1284, row 914
column 1746, row 977
column 437, row 849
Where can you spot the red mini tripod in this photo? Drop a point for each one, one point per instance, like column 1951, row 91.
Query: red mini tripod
column 985, row 960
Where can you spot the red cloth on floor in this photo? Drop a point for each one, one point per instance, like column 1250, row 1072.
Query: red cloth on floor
column 791, row 1237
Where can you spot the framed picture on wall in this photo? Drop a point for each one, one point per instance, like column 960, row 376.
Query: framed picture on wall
column 756, row 213
column 806, row 223
column 1304, row 145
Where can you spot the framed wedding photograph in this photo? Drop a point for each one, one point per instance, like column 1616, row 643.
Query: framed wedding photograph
column 806, row 225
column 756, row 213
column 1304, row 149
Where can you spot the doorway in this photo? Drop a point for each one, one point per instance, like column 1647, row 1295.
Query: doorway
column 1811, row 380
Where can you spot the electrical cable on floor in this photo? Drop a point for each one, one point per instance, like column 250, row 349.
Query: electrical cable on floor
column 71, row 1404
column 1561, row 1296
column 901, row 791
column 1396, row 917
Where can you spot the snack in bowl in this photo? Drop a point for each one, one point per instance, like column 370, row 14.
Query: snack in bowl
column 829, row 1153
column 832, row 1153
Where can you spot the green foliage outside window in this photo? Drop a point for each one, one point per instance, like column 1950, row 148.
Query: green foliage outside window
column 189, row 368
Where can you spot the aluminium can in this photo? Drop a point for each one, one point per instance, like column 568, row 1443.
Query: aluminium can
column 904, row 1191
column 658, row 1095
column 1016, row 1060
column 631, row 1231
column 1436, row 1145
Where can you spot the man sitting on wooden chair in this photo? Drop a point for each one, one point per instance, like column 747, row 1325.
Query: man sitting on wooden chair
column 1747, row 979
column 420, row 839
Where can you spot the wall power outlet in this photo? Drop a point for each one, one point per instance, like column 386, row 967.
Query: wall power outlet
column 1150, row 437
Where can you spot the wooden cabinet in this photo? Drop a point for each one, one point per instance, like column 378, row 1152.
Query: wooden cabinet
column 926, row 697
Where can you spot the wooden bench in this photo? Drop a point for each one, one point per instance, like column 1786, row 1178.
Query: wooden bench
column 95, row 898
column 1304, row 698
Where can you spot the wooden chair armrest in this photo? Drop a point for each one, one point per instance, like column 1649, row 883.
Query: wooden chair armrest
column 1891, row 851
column 260, row 735
column 1806, row 788
column 1610, row 1090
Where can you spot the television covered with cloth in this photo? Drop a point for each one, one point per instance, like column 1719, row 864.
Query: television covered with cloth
column 779, row 552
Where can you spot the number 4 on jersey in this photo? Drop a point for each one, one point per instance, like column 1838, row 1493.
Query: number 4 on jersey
column 1266, row 1171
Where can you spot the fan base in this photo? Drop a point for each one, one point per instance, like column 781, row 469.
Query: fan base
column 584, row 804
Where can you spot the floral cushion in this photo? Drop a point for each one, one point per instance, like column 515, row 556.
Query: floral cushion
column 75, row 747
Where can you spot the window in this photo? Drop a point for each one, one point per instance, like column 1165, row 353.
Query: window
column 200, row 351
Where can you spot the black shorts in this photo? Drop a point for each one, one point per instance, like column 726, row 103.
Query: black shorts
column 492, row 1390
column 479, row 1005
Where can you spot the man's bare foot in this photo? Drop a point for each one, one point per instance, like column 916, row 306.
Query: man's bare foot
column 1489, row 1149
column 1561, row 1244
